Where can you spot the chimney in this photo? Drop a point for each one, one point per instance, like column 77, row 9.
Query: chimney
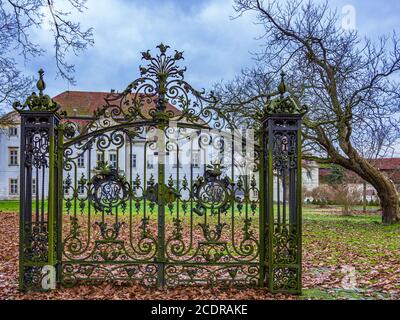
column 74, row 112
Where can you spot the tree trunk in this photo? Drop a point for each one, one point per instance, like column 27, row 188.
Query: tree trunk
column 389, row 204
column 364, row 196
column 385, row 187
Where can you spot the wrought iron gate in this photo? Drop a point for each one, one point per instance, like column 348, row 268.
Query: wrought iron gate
column 160, row 188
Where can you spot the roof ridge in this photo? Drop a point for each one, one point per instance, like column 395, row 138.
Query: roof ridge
column 81, row 91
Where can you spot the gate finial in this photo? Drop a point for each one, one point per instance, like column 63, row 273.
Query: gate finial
column 41, row 85
column 282, row 86
column 284, row 104
column 41, row 102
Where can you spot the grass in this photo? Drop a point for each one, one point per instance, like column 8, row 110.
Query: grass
column 309, row 211
column 332, row 241
column 9, row 206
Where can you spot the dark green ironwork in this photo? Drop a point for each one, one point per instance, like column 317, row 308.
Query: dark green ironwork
column 38, row 210
column 282, row 154
column 39, row 102
column 211, row 222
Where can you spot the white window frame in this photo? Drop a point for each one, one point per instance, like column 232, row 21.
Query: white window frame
column 113, row 163
column 99, row 158
column 81, row 189
column 81, row 160
column 13, row 131
column 196, row 164
column 34, row 186
column 10, row 186
column 13, row 157
column 134, row 160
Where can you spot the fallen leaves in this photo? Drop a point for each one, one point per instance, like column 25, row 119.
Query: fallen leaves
column 328, row 245
column 373, row 250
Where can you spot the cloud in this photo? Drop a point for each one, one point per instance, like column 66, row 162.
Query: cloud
column 216, row 47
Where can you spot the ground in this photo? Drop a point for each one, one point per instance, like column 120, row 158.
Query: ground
column 344, row 257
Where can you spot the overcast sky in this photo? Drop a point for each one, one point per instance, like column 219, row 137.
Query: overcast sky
column 216, row 47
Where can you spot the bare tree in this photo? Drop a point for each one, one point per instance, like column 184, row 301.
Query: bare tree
column 349, row 84
column 19, row 19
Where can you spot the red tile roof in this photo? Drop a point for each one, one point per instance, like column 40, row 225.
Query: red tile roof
column 86, row 103
column 391, row 167
column 387, row 163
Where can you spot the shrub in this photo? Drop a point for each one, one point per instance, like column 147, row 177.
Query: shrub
column 322, row 195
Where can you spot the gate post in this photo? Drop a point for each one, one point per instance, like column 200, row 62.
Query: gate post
column 38, row 187
column 161, row 117
column 161, row 204
column 282, row 191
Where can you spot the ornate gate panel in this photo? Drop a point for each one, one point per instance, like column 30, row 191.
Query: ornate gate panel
column 187, row 213
column 214, row 236
column 110, row 227
column 158, row 187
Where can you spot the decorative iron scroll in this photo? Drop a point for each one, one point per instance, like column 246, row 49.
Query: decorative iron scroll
column 213, row 221
column 168, row 192
column 223, row 276
column 110, row 189
column 212, row 192
column 38, row 244
column 284, row 104
column 160, row 94
column 282, row 154
column 39, row 102
column 145, row 274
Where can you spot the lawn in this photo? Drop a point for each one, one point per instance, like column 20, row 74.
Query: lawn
column 337, row 248
column 9, row 206
column 344, row 257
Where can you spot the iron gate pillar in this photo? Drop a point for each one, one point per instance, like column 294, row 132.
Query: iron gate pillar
column 38, row 190
column 161, row 205
column 282, row 197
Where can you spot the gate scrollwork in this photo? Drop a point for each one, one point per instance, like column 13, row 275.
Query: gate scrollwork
column 159, row 187
column 109, row 190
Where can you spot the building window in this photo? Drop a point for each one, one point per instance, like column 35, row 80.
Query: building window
column 100, row 159
column 134, row 160
column 81, row 189
column 13, row 131
column 196, row 159
column 81, row 161
column 33, row 186
column 113, row 160
column 13, row 187
column 13, row 156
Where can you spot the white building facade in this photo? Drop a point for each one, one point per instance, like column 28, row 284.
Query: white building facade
column 135, row 159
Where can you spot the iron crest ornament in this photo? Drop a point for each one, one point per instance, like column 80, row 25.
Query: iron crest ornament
column 109, row 189
column 41, row 102
column 212, row 192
